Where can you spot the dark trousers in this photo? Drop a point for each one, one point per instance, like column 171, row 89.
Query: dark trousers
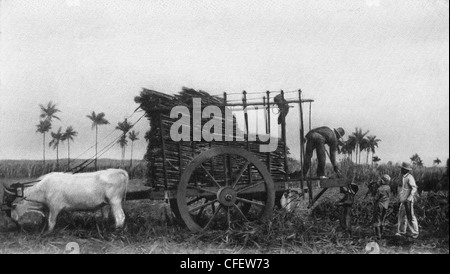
column 379, row 215
column 346, row 218
column 315, row 142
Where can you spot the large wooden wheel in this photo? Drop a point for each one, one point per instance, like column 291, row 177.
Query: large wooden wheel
column 224, row 187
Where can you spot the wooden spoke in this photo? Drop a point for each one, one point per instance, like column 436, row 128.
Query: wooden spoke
column 230, row 170
column 240, row 212
column 194, row 200
column 241, row 172
column 249, row 187
column 225, row 169
column 202, row 206
column 202, row 189
column 214, row 215
column 251, row 202
column 200, row 213
column 229, row 218
column 210, row 176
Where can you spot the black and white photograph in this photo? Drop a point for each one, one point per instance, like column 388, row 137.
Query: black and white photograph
column 228, row 128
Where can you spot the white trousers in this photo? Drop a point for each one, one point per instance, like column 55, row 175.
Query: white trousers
column 406, row 218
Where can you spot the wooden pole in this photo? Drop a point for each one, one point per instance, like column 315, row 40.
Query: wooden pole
column 310, row 116
column 268, row 127
column 265, row 113
column 317, row 197
column 267, row 132
column 244, row 102
column 302, row 134
column 225, row 160
column 283, row 136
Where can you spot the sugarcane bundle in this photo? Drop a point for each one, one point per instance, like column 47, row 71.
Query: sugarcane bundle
column 178, row 154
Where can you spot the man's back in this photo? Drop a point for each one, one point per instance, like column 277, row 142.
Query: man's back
column 327, row 133
column 383, row 195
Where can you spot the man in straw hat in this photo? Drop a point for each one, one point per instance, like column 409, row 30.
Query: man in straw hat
column 316, row 139
column 406, row 217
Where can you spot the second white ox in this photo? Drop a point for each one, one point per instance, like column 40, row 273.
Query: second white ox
column 83, row 191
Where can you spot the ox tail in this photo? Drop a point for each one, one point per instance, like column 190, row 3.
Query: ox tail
column 127, row 179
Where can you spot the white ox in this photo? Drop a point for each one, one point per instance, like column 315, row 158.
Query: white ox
column 83, row 191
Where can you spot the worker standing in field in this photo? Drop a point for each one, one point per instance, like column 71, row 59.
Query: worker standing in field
column 381, row 205
column 316, row 139
column 406, row 217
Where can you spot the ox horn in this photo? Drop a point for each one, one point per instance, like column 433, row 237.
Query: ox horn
column 8, row 191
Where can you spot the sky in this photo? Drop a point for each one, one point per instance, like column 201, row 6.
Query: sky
column 381, row 65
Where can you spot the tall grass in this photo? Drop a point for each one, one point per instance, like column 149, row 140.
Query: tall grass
column 367, row 173
column 32, row 169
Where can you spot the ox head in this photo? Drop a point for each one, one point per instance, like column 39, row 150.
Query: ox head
column 29, row 215
column 9, row 195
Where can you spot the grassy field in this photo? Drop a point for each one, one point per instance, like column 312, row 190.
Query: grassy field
column 302, row 231
column 23, row 169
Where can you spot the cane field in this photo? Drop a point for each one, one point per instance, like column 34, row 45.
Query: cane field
column 151, row 228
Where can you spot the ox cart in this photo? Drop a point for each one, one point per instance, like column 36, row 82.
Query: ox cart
column 223, row 181
column 216, row 175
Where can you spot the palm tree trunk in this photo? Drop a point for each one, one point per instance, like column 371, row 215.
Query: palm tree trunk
column 359, row 156
column 68, row 153
column 96, row 134
column 57, row 157
column 43, row 145
column 123, row 156
column 367, row 158
column 131, row 157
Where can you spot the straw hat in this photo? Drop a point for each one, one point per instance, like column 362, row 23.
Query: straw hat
column 340, row 132
column 406, row 166
column 386, row 178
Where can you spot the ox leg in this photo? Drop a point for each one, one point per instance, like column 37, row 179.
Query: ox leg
column 105, row 213
column 119, row 216
column 52, row 218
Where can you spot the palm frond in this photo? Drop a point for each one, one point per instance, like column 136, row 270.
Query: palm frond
column 133, row 135
column 98, row 119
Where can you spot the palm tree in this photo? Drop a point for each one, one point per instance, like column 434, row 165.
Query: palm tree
column 123, row 143
column 416, row 160
column 359, row 137
column 437, row 161
column 97, row 120
column 350, row 145
column 372, row 143
column 124, row 127
column 57, row 138
column 375, row 159
column 68, row 135
column 48, row 113
column 43, row 127
column 133, row 137
column 365, row 146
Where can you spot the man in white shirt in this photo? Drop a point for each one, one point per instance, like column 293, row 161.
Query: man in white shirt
column 406, row 217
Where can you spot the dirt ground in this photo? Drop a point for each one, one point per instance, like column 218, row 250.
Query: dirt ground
column 149, row 229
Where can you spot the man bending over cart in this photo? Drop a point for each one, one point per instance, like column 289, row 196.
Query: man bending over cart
column 316, row 139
